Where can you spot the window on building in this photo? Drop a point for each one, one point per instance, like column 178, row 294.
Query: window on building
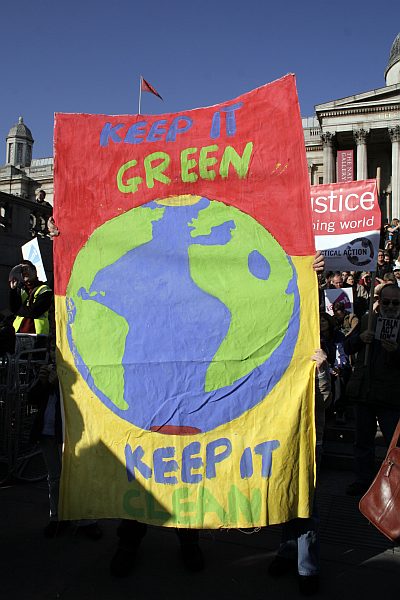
column 9, row 154
column 20, row 148
column 320, row 180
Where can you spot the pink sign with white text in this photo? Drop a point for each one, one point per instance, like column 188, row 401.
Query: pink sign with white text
column 346, row 223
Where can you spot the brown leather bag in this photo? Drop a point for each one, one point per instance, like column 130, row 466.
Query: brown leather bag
column 381, row 503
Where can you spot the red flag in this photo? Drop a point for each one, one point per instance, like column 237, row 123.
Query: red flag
column 147, row 87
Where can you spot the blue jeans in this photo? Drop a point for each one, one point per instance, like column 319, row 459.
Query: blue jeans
column 300, row 539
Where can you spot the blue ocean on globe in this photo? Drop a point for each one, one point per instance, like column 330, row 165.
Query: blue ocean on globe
column 175, row 329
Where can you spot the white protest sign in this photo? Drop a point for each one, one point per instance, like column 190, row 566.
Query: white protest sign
column 333, row 295
column 31, row 251
column 387, row 329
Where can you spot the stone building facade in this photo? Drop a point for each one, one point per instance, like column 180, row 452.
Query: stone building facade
column 368, row 124
column 21, row 175
column 21, row 217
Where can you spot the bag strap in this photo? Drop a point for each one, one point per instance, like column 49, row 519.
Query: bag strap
column 395, row 437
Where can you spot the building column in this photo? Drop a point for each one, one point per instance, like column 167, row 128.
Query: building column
column 310, row 172
column 394, row 133
column 360, row 136
column 328, row 156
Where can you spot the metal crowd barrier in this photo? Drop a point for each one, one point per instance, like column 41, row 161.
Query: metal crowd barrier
column 19, row 457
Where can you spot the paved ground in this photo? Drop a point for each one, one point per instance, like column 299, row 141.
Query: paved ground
column 357, row 562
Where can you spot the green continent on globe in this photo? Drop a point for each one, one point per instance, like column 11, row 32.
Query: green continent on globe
column 260, row 309
column 104, row 344
column 229, row 257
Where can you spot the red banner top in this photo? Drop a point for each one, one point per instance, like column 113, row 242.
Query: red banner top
column 248, row 153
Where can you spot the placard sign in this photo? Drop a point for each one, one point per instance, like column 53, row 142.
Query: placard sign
column 346, row 223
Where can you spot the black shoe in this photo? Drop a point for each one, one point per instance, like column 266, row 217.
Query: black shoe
column 281, row 566
column 357, row 488
column 55, row 528
column 123, row 562
column 192, row 557
column 308, row 584
column 91, row 531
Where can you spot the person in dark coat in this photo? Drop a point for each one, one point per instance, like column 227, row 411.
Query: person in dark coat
column 373, row 386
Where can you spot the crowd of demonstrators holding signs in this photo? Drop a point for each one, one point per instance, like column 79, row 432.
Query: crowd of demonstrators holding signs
column 371, row 380
column 357, row 360
column 358, row 363
column 359, row 332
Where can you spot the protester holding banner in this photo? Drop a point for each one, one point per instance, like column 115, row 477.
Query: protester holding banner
column 373, row 387
column 130, row 535
column 300, row 542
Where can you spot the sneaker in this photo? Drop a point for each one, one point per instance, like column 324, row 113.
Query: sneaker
column 357, row 488
column 308, row 584
column 123, row 562
column 91, row 531
column 192, row 557
column 281, row 566
column 54, row 528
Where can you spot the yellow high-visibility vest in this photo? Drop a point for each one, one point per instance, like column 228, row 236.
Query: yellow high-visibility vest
column 42, row 322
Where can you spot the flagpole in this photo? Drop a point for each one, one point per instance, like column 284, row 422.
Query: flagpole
column 140, row 92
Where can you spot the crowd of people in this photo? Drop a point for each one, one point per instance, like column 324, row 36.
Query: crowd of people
column 364, row 383
column 356, row 374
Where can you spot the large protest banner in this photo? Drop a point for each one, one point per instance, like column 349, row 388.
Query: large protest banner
column 187, row 313
column 346, row 223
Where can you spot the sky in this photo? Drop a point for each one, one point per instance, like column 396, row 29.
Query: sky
column 86, row 56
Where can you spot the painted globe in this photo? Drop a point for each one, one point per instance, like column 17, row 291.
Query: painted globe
column 182, row 314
